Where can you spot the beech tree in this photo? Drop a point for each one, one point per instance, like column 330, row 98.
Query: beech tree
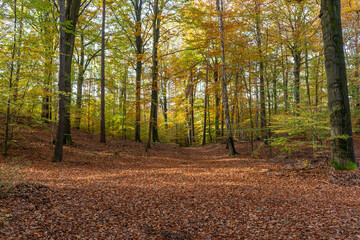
column 102, row 121
column 69, row 14
column 230, row 142
column 342, row 148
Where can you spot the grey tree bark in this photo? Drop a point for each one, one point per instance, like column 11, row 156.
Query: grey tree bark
column 230, row 142
column 71, row 17
column 102, row 121
column 342, row 148
column 153, row 131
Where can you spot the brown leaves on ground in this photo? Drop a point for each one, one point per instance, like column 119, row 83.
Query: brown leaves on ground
column 119, row 191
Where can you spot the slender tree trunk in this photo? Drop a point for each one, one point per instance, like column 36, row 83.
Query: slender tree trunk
column 317, row 83
column 206, row 100
column 124, row 98
column 248, row 87
column 154, row 86
column 342, row 148
column 230, row 142
column 165, row 103
column 297, row 69
column 192, row 119
column 80, row 82
column 217, row 102
column 139, row 51
column 102, row 121
column 237, row 109
column 307, row 68
column 209, row 119
column 9, row 102
column 357, row 72
column 71, row 17
column 261, row 71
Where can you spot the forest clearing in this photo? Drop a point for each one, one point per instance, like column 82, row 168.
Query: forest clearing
column 179, row 119
column 118, row 191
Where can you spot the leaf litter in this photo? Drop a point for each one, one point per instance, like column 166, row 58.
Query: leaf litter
column 119, row 191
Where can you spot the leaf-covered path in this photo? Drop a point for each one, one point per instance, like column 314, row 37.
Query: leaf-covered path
column 119, row 191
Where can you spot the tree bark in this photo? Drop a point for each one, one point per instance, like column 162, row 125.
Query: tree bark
column 71, row 17
column 58, row 151
column 342, row 148
column 102, row 121
column 230, row 142
column 217, row 102
column 261, row 71
column 80, row 82
column 297, row 68
column 153, row 132
column 205, row 100
column 139, row 51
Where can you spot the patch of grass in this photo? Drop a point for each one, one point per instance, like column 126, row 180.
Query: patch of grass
column 349, row 167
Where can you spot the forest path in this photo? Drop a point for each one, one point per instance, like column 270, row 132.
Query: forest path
column 119, row 191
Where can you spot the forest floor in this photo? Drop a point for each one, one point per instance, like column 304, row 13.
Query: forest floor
column 118, row 191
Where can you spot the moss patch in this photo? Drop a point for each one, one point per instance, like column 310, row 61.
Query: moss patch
column 349, row 167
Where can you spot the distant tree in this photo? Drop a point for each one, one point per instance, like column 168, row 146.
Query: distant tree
column 102, row 122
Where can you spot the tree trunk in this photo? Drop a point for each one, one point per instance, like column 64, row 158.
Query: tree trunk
column 71, row 17
column 357, row 72
column 58, row 151
column 217, row 102
column 261, row 71
column 9, row 103
column 205, row 100
column 230, row 142
column 153, row 132
column 80, row 82
column 102, row 121
column 307, row 68
column 297, row 68
column 192, row 120
column 124, row 97
column 342, row 148
column 164, row 102
column 139, row 51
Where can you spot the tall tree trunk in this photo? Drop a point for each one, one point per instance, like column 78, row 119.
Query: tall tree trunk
column 164, row 102
column 217, row 102
column 139, row 50
column 124, row 97
column 80, row 82
column 307, row 67
column 297, row 68
column 58, row 151
column 357, row 72
column 248, row 87
column 205, row 100
column 153, row 132
column 8, row 106
column 342, row 148
column 237, row 109
column 71, row 17
column 192, row 119
column 261, row 70
column 209, row 119
column 102, row 121
column 230, row 142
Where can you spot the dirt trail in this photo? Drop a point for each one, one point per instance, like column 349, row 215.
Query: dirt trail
column 119, row 191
